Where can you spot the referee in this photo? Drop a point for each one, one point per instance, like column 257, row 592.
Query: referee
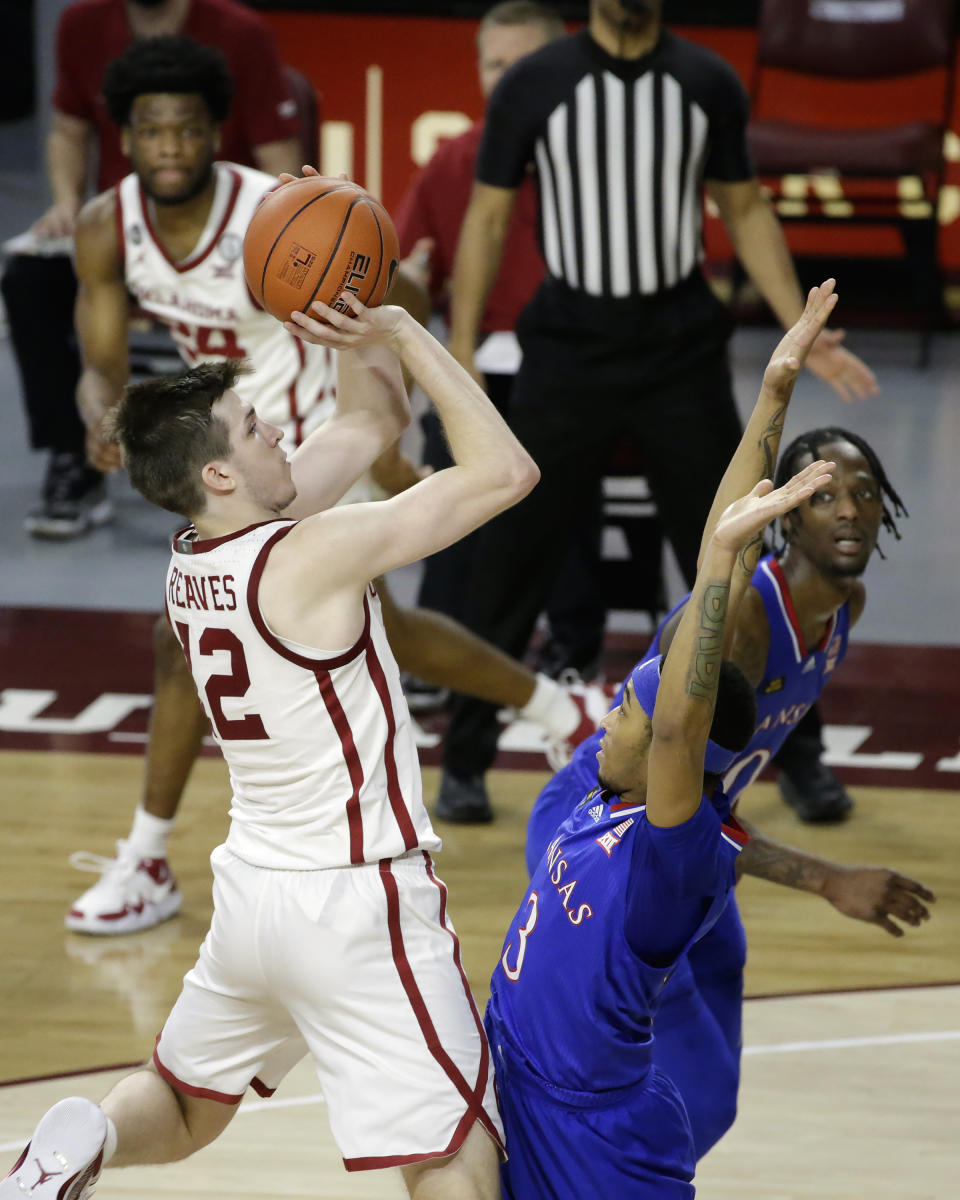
column 623, row 123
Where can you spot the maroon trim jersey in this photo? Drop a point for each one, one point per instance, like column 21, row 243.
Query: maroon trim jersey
column 206, row 304
column 319, row 742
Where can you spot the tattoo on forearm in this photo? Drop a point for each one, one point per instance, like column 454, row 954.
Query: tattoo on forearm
column 770, row 440
column 747, row 558
column 781, row 864
column 705, row 669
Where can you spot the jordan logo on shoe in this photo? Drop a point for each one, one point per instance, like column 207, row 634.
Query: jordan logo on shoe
column 44, row 1175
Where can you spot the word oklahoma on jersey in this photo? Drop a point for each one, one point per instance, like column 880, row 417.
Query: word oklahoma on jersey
column 205, row 302
column 319, row 744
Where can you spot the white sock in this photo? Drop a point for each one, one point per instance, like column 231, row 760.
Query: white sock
column 551, row 707
column 110, row 1145
column 149, row 834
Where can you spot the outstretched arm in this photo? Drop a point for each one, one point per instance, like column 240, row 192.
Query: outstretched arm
column 491, row 469
column 755, row 457
column 866, row 893
column 372, row 411
column 688, row 687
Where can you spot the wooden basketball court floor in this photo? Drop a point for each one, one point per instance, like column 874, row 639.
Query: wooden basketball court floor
column 852, row 1039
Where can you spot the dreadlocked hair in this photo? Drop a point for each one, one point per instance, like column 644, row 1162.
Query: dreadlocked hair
column 812, row 443
column 167, row 64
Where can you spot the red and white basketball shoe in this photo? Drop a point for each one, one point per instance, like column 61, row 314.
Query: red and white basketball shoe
column 594, row 701
column 133, row 893
column 62, row 1160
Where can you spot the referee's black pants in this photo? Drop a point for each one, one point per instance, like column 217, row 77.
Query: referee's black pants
column 653, row 369
column 575, row 607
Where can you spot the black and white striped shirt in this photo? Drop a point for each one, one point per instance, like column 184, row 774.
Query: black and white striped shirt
column 621, row 149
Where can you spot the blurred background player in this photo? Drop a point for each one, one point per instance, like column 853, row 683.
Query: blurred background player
column 327, row 815
column 788, row 636
column 625, row 122
column 171, row 234
column 261, row 130
column 433, row 208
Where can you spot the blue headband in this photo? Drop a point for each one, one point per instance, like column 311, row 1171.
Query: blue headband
column 645, row 678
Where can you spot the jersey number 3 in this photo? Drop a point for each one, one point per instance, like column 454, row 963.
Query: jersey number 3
column 233, row 684
column 533, row 900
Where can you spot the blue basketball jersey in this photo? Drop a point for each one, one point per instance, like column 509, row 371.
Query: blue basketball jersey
column 794, row 675
column 792, row 681
column 612, row 905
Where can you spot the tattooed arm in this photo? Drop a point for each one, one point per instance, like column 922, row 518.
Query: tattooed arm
column 756, row 456
column 688, row 687
column 866, row 893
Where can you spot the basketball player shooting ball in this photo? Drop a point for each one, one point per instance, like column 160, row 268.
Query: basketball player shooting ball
column 330, row 932
column 171, row 234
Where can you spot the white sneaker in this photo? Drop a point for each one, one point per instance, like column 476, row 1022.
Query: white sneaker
column 62, row 1160
column 594, row 701
column 133, row 893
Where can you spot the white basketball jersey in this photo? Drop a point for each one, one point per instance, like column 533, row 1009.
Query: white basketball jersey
column 319, row 744
column 208, row 307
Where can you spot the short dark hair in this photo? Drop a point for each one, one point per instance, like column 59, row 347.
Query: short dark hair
column 167, row 64
column 813, row 442
column 167, row 432
column 735, row 714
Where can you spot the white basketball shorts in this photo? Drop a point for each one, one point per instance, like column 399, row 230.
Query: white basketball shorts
column 361, row 967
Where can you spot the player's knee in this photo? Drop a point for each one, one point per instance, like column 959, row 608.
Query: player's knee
column 473, row 1173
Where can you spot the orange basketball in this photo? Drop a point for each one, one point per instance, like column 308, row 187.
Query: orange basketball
column 317, row 239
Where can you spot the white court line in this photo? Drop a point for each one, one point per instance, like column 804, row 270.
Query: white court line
column 893, row 1039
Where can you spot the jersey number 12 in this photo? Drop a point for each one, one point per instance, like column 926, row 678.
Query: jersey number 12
column 232, row 684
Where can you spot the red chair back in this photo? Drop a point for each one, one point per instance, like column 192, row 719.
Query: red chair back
column 856, row 39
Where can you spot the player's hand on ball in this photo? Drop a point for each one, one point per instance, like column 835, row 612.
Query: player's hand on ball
column 306, row 169
column 362, row 326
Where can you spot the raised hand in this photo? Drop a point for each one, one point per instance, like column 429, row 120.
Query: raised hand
column 875, row 894
column 751, row 514
column 849, row 376
column 340, row 331
column 796, row 344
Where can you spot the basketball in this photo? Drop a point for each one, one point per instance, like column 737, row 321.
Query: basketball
column 317, row 239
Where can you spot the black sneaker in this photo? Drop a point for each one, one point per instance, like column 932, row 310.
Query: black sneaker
column 464, row 801
column 424, row 697
column 74, row 500
column 810, row 788
column 556, row 659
